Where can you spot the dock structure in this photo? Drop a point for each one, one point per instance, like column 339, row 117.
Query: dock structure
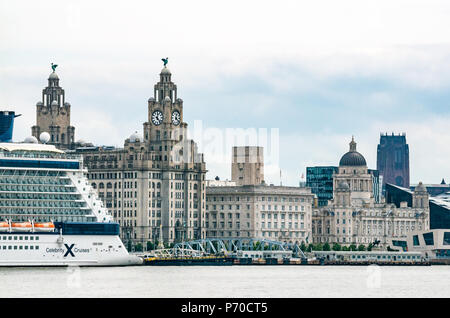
column 228, row 247
column 232, row 246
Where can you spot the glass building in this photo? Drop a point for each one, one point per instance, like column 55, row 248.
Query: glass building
column 320, row 180
column 439, row 209
column 377, row 185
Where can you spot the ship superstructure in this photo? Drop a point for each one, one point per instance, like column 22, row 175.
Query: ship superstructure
column 42, row 183
column 49, row 213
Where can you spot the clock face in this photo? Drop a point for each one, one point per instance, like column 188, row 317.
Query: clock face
column 176, row 118
column 157, row 117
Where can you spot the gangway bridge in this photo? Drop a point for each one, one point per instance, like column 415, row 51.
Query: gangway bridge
column 226, row 247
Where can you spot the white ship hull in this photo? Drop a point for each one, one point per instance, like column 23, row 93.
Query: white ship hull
column 51, row 249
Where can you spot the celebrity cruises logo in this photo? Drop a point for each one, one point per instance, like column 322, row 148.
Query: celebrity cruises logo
column 70, row 250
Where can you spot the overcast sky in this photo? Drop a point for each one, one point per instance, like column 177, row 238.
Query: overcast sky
column 319, row 71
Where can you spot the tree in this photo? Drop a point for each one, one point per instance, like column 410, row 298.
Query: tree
column 150, row 246
column 336, row 247
column 345, row 248
column 310, row 247
column 138, row 247
column 352, row 247
column 303, row 246
column 361, row 248
column 318, row 247
column 369, row 248
column 326, row 247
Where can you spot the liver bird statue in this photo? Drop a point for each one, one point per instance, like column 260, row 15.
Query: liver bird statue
column 165, row 60
column 54, row 66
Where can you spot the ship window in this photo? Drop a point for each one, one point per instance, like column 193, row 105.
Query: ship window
column 26, row 247
column 20, row 247
column 31, row 247
column 20, row 238
column 4, row 238
column 15, row 247
column 9, row 247
column 26, row 238
column 9, row 238
column 37, row 238
column 31, row 238
column 37, row 247
column 4, row 247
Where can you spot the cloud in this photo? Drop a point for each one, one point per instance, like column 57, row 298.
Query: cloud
column 319, row 71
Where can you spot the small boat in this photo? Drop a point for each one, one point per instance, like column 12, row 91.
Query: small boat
column 21, row 227
column 44, row 227
column 4, row 226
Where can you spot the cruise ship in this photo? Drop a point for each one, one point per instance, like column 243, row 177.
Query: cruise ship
column 49, row 213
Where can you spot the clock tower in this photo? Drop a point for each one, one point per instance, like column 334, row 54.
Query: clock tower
column 165, row 124
column 181, row 167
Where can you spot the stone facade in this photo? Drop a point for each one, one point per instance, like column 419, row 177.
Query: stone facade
column 353, row 216
column 259, row 211
column 247, row 165
column 155, row 185
column 53, row 115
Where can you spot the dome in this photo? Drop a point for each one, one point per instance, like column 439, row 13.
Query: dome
column 67, row 104
column 151, row 99
column 55, row 103
column 165, row 70
column 44, row 137
column 81, row 141
column 53, row 76
column 135, row 137
column 352, row 158
column 39, row 103
column 31, row 140
column 420, row 188
column 167, row 99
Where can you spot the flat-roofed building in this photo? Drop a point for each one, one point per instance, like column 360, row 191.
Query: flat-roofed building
column 278, row 213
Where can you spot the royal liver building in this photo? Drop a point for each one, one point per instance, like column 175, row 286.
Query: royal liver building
column 155, row 185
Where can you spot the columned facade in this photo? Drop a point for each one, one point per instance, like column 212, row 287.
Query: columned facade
column 354, row 217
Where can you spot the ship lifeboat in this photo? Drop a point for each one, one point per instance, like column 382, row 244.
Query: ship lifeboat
column 21, row 227
column 4, row 226
column 44, row 227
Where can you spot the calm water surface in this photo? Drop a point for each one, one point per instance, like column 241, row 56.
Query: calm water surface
column 227, row 281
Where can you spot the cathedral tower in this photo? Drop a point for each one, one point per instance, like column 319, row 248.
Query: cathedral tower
column 393, row 159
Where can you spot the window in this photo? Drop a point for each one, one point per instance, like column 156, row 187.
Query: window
column 416, row 240
column 428, row 238
column 446, row 238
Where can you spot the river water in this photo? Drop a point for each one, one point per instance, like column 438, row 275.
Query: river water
column 227, row 281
